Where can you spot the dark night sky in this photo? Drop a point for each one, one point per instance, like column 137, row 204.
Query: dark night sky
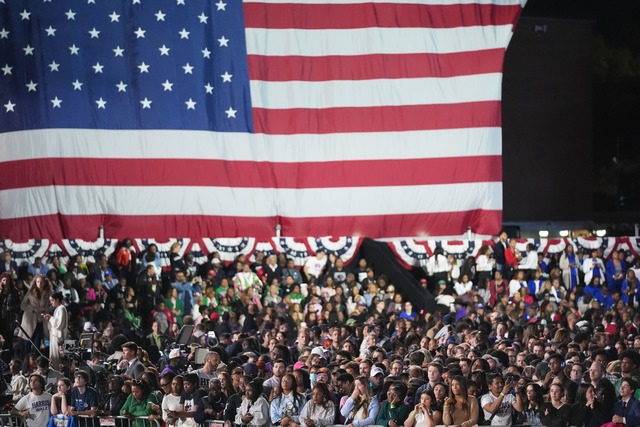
column 616, row 95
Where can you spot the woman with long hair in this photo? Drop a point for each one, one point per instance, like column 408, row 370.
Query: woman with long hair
column 587, row 411
column 533, row 397
column 460, row 409
column 58, row 328
column 361, row 408
column 424, row 413
column 286, row 402
column 320, row 411
column 10, row 299
column 60, row 400
column 34, row 306
column 227, row 384
column 254, row 410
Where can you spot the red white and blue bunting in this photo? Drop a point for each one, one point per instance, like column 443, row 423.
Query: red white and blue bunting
column 409, row 252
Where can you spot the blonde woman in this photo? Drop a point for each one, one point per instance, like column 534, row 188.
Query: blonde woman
column 361, row 408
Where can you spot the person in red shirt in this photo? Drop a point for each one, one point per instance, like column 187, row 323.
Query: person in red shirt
column 512, row 258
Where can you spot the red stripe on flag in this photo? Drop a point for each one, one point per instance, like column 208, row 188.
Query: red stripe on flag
column 163, row 227
column 377, row 119
column 199, row 172
column 384, row 15
column 366, row 67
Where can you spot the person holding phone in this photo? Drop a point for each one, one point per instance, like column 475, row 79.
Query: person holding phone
column 499, row 403
column 254, row 410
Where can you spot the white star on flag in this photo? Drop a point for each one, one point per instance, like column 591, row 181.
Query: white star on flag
column 54, row 66
column 9, row 106
column 98, row 68
column 144, row 68
column 191, row 104
column 101, row 103
column 95, row 34
column 74, row 49
column 184, row 34
column 226, row 77
column 208, row 88
column 122, row 87
column 118, row 51
column 223, row 41
column 167, row 85
column 231, row 113
column 164, row 50
column 206, row 53
column 71, row 15
column 50, row 31
column 28, row 50
column 139, row 33
column 203, row 18
column 114, row 17
column 188, row 69
column 221, row 5
column 146, row 103
column 7, row 70
column 4, row 34
column 77, row 85
column 31, row 86
column 160, row 16
column 56, row 102
column 25, row 15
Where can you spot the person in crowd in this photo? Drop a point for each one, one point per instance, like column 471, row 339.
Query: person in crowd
column 34, row 407
column 587, row 410
column 361, row 407
column 424, row 413
column 116, row 398
column 555, row 412
column 394, row 412
column 171, row 400
column 499, row 403
column 211, row 406
column 34, row 306
column 254, row 409
column 460, row 409
column 140, row 404
column 58, row 327
column 84, row 399
column 286, row 402
column 235, row 400
column 130, row 364
column 320, row 411
column 533, row 399
column 61, row 399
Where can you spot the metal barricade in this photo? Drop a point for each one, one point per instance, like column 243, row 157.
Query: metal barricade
column 8, row 420
column 107, row 421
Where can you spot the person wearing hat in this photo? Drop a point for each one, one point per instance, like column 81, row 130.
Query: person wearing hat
column 376, row 377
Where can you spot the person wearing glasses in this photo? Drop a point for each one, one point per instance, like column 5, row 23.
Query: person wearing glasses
column 116, row 397
column 171, row 401
column 84, row 399
column 286, row 403
column 394, row 411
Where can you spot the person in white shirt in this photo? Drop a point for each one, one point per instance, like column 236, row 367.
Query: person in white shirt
column 593, row 267
column 34, row 407
column 314, row 266
column 530, row 262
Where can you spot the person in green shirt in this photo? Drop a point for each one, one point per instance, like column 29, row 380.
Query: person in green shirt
column 140, row 403
column 394, row 411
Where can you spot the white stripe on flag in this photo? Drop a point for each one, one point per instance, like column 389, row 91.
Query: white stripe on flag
column 378, row 92
column 161, row 144
column 248, row 202
column 367, row 41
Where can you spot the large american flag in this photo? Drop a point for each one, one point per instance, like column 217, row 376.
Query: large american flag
column 159, row 118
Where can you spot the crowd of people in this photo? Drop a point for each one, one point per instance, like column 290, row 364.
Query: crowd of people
column 515, row 339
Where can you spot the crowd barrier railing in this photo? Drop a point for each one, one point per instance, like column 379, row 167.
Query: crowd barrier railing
column 109, row 421
column 8, row 420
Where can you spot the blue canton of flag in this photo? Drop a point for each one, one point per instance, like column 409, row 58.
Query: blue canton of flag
column 136, row 64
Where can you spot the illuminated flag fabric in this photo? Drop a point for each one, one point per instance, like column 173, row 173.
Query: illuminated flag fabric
column 202, row 118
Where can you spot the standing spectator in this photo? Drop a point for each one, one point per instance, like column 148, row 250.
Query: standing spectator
column 570, row 266
column 34, row 407
column 292, row 271
column 34, row 306
column 211, row 406
column 8, row 265
column 58, row 328
column 139, row 403
column 615, row 270
column 171, row 401
column 593, row 267
column 126, row 260
column 499, row 250
column 130, row 363
column 10, row 299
